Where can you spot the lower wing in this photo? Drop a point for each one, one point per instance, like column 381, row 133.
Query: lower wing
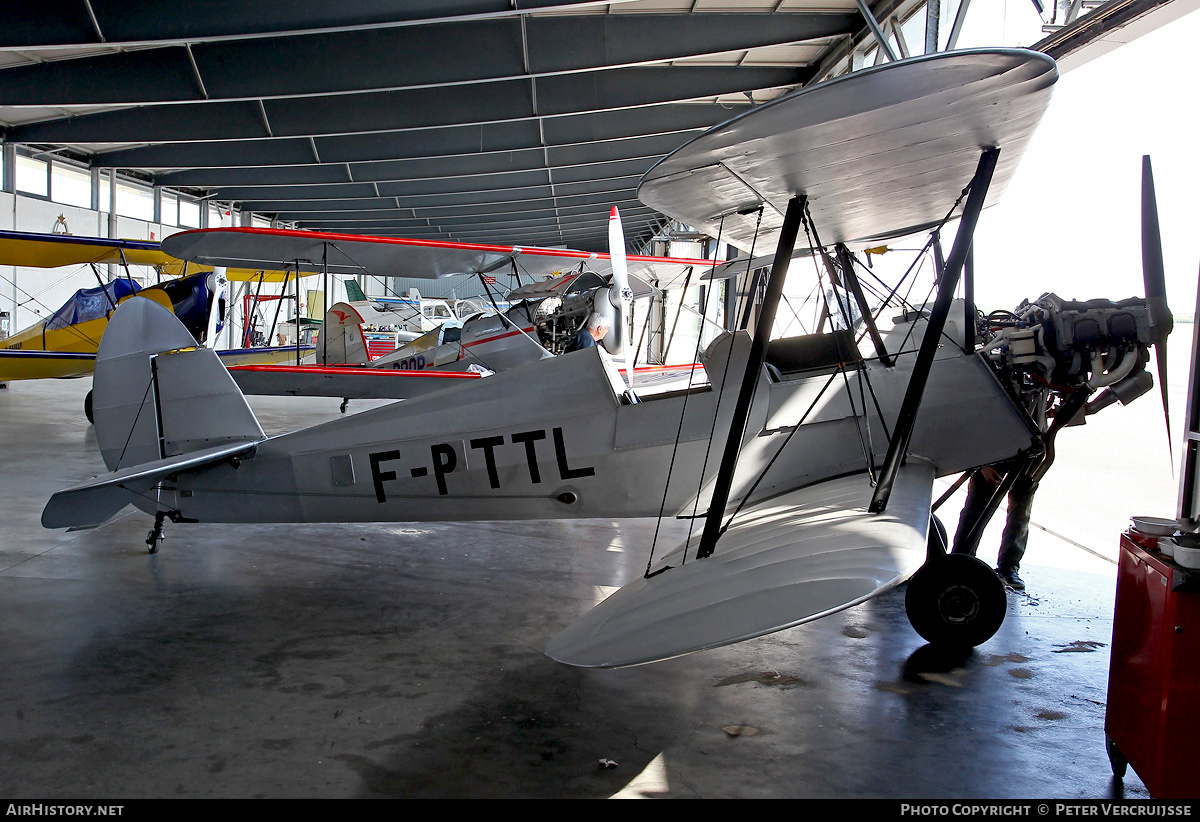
column 346, row 382
column 784, row 561
column 39, row 365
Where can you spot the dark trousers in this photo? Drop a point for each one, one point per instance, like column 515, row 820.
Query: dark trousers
column 1016, row 527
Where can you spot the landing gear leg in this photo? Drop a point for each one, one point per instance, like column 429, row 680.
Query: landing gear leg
column 156, row 535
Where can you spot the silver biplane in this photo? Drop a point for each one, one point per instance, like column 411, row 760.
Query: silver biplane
column 564, row 287
column 807, row 463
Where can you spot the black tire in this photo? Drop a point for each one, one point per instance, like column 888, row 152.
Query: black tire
column 1115, row 758
column 87, row 407
column 956, row 600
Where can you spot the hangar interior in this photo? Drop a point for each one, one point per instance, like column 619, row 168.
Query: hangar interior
column 345, row 660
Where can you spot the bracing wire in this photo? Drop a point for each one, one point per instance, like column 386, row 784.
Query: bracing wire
column 682, row 415
column 33, row 298
column 762, row 474
column 866, row 441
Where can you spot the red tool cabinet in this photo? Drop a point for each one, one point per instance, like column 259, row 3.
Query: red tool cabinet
column 1153, row 714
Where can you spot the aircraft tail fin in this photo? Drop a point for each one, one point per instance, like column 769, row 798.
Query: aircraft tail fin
column 341, row 339
column 157, row 396
column 354, row 292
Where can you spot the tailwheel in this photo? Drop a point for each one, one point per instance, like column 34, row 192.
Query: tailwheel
column 157, row 533
column 87, row 407
column 955, row 600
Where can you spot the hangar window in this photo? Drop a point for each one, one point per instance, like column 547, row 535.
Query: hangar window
column 70, row 184
column 33, row 176
column 135, row 201
column 189, row 213
column 168, row 213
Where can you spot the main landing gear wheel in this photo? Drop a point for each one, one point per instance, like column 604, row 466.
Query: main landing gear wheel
column 956, row 601
column 87, row 407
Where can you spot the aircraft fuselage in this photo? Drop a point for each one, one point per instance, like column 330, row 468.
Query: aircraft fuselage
column 559, row 439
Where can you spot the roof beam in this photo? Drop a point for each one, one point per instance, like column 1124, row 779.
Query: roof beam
column 412, row 109
column 584, row 127
column 398, row 59
column 429, row 167
column 148, row 22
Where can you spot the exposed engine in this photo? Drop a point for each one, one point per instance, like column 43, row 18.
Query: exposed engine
column 559, row 318
column 1052, row 348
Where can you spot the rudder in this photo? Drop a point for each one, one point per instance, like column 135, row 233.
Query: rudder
column 157, row 395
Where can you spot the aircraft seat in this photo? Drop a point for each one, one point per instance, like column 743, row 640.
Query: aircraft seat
column 792, row 356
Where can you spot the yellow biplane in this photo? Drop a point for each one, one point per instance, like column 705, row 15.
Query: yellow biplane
column 64, row 344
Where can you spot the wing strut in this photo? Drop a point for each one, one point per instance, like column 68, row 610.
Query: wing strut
column 247, row 323
column 947, row 282
column 325, row 248
column 850, row 277
column 279, row 305
column 103, row 289
column 504, row 321
column 754, row 364
column 324, row 305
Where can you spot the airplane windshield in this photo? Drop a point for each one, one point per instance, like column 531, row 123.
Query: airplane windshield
column 90, row 304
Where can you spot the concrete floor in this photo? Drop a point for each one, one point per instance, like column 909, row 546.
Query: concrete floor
column 405, row 661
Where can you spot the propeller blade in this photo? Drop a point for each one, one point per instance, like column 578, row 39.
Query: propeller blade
column 1153, row 271
column 1154, row 277
column 622, row 295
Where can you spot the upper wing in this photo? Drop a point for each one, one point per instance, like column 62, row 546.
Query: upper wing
column 26, row 248
column 33, row 250
column 880, row 153
column 784, row 561
column 391, row 256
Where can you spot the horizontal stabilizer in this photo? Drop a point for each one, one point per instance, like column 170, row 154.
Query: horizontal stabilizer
column 90, row 503
column 784, row 561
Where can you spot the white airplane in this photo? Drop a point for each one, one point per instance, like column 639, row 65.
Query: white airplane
column 385, row 323
column 807, row 462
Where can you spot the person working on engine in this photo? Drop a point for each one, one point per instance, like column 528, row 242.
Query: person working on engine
column 588, row 334
column 982, row 486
